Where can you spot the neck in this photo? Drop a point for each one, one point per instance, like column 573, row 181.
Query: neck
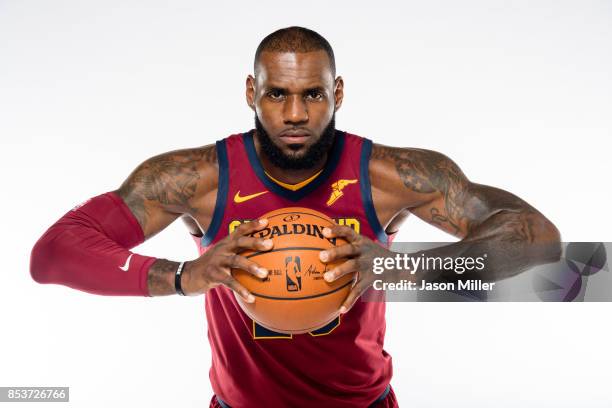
column 285, row 175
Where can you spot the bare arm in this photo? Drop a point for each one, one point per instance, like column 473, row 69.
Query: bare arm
column 488, row 220
column 163, row 188
column 89, row 247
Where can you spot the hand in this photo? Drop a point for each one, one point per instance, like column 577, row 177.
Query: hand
column 360, row 252
column 214, row 267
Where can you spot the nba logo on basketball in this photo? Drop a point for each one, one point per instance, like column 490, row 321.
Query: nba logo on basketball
column 293, row 273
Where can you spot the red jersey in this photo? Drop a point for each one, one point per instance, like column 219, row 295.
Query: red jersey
column 340, row 365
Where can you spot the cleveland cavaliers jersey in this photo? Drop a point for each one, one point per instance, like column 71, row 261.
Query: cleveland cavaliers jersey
column 340, row 365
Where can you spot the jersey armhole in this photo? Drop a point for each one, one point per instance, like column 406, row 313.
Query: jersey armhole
column 366, row 192
column 223, row 187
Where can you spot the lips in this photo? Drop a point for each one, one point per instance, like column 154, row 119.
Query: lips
column 294, row 136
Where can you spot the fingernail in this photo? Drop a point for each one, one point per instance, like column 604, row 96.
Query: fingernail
column 323, row 256
column 250, row 298
column 328, row 276
column 326, row 231
column 262, row 273
column 342, row 310
column 267, row 243
column 263, row 221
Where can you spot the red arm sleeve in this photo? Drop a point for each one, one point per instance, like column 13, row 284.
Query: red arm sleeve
column 88, row 249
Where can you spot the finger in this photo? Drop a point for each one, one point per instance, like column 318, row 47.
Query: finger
column 250, row 227
column 255, row 244
column 352, row 297
column 340, row 252
column 341, row 231
column 341, row 270
column 237, row 287
column 240, row 262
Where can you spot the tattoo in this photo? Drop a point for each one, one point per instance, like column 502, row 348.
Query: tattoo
column 428, row 172
column 169, row 180
column 492, row 221
column 437, row 218
column 511, row 227
column 209, row 154
column 160, row 280
column 465, row 206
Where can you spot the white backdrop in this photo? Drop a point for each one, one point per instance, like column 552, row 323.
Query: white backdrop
column 518, row 93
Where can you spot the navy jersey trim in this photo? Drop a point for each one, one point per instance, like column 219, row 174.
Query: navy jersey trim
column 215, row 222
column 291, row 195
column 382, row 397
column 366, row 192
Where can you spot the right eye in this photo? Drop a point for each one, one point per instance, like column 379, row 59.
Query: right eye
column 275, row 94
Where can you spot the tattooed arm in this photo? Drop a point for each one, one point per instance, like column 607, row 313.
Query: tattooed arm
column 513, row 234
column 163, row 188
column 89, row 247
column 185, row 183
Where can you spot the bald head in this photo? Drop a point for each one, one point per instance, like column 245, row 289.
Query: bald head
column 295, row 40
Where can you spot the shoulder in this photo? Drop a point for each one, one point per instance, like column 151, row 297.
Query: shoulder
column 407, row 155
column 179, row 164
column 174, row 178
column 420, row 170
column 194, row 155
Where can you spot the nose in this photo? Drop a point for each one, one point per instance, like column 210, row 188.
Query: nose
column 295, row 110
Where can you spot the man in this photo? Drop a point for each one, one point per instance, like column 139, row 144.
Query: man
column 293, row 157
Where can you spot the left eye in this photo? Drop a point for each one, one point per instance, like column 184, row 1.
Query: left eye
column 315, row 95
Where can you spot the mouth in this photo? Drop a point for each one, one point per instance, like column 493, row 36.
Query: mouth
column 294, row 137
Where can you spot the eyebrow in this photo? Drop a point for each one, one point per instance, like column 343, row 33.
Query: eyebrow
column 316, row 88
column 286, row 90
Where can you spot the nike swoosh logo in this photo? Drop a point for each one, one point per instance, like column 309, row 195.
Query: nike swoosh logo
column 241, row 199
column 127, row 264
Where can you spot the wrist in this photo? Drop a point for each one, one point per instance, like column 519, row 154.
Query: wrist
column 160, row 279
column 178, row 279
column 186, row 279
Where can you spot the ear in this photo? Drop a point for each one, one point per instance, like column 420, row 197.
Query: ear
column 338, row 92
column 250, row 92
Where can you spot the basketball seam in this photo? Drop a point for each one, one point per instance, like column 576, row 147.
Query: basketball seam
column 301, row 212
column 302, row 297
column 285, row 249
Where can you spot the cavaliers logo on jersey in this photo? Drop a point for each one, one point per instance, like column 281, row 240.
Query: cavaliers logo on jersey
column 337, row 188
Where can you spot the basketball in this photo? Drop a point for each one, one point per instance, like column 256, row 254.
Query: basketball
column 294, row 298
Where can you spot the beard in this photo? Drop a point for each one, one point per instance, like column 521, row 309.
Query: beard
column 309, row 159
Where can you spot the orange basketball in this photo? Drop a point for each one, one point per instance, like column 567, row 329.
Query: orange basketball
column 294, row 298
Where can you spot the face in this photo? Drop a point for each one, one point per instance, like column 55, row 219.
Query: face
column 294, row 96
